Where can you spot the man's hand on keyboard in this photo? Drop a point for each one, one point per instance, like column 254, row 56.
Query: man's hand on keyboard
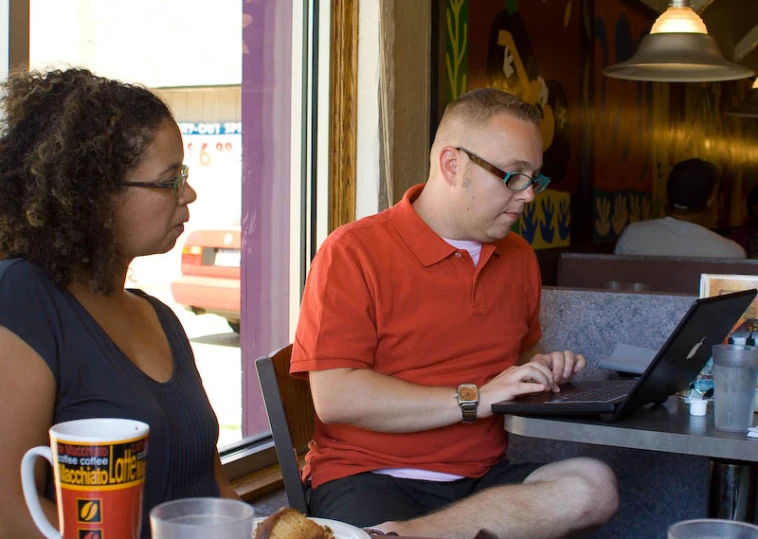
column 532, row 377
column 563, row 365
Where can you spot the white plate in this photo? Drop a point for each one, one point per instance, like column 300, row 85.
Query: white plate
column 341, row 530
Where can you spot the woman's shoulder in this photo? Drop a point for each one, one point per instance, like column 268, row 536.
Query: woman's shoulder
column 34, row 309
column 168, row 318
column 15, row 269
column 163, row 310
column 23, row 280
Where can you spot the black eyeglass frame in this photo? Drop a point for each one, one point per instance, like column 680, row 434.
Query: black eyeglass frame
column 177, row 183
column 540, row 183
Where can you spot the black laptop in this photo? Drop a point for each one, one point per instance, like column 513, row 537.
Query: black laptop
column 677, row 363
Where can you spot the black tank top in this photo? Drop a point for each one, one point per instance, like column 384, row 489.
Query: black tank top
column 95, row 379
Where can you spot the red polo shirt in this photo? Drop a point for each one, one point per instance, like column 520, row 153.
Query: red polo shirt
column 387, row 293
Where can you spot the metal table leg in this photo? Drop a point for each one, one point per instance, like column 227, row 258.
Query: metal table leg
column 731, row 490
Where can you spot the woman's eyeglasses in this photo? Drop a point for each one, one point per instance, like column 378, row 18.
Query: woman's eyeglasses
column 176, row 184
column 515, row 181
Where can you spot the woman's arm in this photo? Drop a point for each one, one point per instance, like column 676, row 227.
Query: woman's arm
column 224, row 488
column 28, row 391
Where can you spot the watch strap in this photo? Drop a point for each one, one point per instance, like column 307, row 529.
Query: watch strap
column 468, row 411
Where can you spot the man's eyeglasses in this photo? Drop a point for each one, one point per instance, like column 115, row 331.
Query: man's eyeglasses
column 515, row 181
column 176, row 184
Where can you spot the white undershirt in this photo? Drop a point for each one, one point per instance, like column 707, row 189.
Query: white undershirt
column 415, row 473
column 474, row 249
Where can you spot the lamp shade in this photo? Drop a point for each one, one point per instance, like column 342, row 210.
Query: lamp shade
column 678, row 57
column 678, row 49
column 749, row 106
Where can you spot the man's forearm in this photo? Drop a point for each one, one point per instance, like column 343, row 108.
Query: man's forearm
column 370, row 400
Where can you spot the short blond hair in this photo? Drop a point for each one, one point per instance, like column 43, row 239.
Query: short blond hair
column 478, row 106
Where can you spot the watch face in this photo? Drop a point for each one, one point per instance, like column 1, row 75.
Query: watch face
column 467, row 393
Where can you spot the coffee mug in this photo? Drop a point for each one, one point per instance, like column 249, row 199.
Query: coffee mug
column 99, row 469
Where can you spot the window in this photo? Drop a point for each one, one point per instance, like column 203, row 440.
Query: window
column 249, row 120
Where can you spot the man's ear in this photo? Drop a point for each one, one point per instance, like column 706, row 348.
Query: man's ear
column 449, row 164
column 712, row 199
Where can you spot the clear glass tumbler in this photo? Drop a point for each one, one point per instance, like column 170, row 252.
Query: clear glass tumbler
column 735, row 368
column 711, row 528
column 201, row 518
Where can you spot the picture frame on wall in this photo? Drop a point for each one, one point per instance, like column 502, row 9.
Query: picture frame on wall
column 712, row 284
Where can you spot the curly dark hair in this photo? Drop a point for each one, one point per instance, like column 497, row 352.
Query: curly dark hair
column 67, row 140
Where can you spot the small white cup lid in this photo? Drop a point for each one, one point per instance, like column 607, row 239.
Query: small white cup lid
column 698, row 406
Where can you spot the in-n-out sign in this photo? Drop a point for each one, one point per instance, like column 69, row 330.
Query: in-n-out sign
column 210, row 128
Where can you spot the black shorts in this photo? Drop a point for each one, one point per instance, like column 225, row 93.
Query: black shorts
column 368, row 499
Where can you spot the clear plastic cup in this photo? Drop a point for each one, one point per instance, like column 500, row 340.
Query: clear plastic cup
column 735, row 369
column 711, row 528
column 201, row 518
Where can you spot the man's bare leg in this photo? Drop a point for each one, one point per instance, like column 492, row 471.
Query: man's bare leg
column 557, row 500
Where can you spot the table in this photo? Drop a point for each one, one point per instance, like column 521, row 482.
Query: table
column 668, row 428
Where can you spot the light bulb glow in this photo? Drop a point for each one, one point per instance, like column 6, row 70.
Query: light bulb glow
column 755, row 83
column 679, row 19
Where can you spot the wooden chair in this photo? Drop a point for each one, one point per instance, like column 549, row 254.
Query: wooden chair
column 290, row 414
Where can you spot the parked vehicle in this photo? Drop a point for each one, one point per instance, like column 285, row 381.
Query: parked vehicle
column 210, row 280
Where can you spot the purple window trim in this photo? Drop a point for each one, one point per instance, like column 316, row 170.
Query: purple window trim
column 266, row 95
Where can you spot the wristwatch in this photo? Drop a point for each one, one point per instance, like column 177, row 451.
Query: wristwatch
column 467, row 396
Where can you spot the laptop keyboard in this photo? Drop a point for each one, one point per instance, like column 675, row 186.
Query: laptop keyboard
column 604, row 393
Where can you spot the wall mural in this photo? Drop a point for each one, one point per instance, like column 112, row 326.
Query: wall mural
column 492, row 44
column 623, row 169
column 609, row 144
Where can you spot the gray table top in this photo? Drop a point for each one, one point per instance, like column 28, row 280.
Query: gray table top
column 667, row 428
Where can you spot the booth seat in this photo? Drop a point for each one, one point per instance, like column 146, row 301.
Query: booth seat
column 652, row 273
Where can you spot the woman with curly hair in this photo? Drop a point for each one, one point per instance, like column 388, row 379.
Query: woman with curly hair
column 91, row 176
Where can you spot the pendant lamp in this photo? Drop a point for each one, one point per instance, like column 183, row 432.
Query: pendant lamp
column 678, row 49
column 749, row 107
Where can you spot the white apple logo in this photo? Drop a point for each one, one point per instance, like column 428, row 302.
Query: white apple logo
column 695, row 349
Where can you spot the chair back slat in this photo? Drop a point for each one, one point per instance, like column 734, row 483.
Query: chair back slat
column 296, row 399
column 290, row 414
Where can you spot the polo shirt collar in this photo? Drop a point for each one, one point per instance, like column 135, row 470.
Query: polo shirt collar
column 424, row 242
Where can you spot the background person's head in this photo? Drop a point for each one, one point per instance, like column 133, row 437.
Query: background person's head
column 68, row 140
column 752, row 207
column 691, row 186
column 472, row 202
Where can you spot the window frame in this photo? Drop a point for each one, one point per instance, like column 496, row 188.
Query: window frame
column 308, row 204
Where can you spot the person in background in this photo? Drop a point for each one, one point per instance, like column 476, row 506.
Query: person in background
column 747, row 236
column 691, row 191
column 414, row 322
column 91, row 176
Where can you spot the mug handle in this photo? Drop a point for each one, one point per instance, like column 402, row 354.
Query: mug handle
column 30, row 490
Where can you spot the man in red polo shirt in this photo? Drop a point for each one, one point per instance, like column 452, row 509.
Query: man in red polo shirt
column 413, row 322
